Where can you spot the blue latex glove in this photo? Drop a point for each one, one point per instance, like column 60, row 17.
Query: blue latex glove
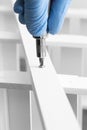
column 19, row 8
column 34, row 13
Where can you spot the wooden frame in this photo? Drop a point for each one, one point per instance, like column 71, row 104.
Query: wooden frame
column 46, row 85
column 50, row 97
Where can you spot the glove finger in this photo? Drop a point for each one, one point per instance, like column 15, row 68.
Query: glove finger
column 58, row 10
column 21, row 18
column 19, row 6
column 36, row 15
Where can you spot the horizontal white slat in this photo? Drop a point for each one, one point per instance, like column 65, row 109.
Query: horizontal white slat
column 73, row 84
column 9, row 36
column 77, row 13
column 5, row 9
column 15, row 79
column 61, row 40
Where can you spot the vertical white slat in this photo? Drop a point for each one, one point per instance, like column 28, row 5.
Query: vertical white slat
column 18, row 57
column 36, row 121
column 4, row 117
column 1, row 58
column 6, row 110
column 79, row 110
column 30, row 106
column 84, row 62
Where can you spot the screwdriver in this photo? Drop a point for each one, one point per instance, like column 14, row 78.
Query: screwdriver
column 41, row 50
column 41, row 45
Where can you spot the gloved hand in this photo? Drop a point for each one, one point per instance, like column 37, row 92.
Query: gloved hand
column 34, row 13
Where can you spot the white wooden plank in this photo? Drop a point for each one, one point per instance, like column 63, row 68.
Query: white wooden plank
column 54, row 108
column 62, row 40
column 13, row 79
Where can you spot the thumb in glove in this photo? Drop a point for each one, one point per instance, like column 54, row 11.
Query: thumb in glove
column 19, row 8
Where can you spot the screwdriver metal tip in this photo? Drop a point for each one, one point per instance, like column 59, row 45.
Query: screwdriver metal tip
column 41, row 60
